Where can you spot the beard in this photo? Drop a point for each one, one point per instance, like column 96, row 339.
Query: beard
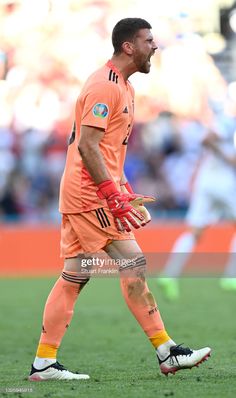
column 143, row 65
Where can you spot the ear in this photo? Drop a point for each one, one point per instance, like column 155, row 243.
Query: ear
column 128, row 47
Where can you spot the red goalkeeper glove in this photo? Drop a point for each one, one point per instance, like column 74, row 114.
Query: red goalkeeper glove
column 119, row 204
column 138, row 201
column 127, row 187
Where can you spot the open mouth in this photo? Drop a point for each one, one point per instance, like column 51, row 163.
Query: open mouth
column 149, row 58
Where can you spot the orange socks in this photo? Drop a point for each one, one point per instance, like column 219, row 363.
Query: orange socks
column 59, row 310
column 143, row 306
column 58, row 313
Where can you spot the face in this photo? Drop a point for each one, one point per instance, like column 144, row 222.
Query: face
column 144, row 48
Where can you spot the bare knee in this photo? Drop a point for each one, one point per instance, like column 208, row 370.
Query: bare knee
column 137, row 291
column 133, row 276
column 135, row 287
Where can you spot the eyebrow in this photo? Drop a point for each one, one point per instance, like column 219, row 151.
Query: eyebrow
column 148, row 38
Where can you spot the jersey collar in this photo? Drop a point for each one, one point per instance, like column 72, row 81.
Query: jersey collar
column 112, row 66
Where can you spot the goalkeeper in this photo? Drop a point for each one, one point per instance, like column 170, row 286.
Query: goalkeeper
column 99, row 208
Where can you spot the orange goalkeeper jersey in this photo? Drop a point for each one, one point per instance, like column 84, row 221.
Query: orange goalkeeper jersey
column 106, row 102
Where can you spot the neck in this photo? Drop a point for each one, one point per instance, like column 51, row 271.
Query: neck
column 124, row 65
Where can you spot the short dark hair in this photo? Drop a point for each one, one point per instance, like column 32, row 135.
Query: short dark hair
column 125, row 30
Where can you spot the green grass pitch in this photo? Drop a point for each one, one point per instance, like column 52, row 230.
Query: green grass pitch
column 105, row 341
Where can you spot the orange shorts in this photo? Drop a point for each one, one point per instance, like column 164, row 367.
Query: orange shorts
column 89, row 232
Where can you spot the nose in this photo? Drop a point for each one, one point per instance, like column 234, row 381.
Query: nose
column 154, row 46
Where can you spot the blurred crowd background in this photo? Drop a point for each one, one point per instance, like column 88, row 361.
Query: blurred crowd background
column 47, row 50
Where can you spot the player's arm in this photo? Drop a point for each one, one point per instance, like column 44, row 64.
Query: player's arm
column 89, row 150
column 211, row 142
column 124, row 214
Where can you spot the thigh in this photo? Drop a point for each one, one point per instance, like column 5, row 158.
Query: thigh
column 129, row 258
column 76, row 264
column 118, row 249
